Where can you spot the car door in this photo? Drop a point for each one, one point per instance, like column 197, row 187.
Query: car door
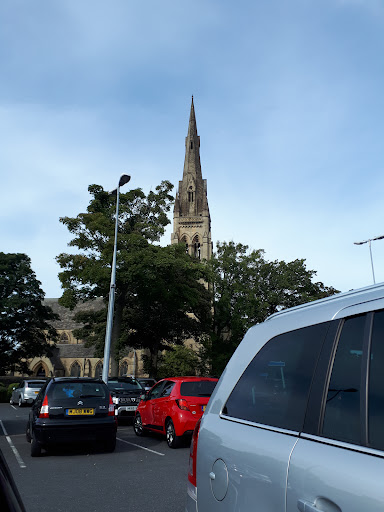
column 146, row 405
column 161, row 406
column 338, row 461
column 243, row 454
column 18, row 391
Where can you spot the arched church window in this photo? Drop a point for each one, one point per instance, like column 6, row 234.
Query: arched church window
column 123, row 369
column 196, row 247
column 99, row 370
column 40, row 372
column 75, row 369
column 191, row 145
column 64, row 337
column 190, row 195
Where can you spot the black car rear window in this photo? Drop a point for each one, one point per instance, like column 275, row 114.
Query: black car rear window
column 62, row 390
column 124, row 385
column 198, row 388
column 35, row 385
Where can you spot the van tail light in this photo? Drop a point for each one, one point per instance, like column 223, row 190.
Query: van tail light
column 111, row 407
column 182, row 404
column 192, row 459
column 44, row 409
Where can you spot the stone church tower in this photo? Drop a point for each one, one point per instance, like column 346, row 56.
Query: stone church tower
column 191, row 218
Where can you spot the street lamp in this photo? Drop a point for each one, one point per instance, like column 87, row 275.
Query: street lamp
column 124, row 178
column 370, row 250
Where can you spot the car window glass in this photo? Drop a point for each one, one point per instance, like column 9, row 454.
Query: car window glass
column 124, row 385
column 155, row 391
column 64, row 390
column 203, row 388
column 274, row 388
column 342, row 410
column 376, row 385
column 168, row 386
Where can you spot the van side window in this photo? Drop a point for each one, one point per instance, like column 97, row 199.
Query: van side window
column 342, row 410
column 274, row 388
column 376, row 385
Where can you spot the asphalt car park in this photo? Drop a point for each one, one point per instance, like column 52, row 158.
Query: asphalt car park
column 141, row 475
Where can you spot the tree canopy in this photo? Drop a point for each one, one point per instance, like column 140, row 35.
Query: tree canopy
column 25, row 328
column 155, row 286
column 247, row 289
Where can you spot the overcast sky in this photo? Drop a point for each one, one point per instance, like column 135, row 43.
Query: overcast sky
column 290, row 111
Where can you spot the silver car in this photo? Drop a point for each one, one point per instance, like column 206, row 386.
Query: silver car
column 296, row 422
column 26, row 392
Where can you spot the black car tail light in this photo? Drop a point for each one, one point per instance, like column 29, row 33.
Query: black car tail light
column 44, row 408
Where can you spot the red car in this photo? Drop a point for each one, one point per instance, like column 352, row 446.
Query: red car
column 173, row 406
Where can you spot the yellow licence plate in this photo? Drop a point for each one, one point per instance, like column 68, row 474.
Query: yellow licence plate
column 80, row 412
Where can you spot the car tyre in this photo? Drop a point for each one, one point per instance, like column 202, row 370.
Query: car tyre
column 35, row 447
column 173, row 440
column 138, row 426
column 28, row 433
column 110, row 445
column 20, row 402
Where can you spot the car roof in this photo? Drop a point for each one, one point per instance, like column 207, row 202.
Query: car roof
column 76, row 379
column 189, row 379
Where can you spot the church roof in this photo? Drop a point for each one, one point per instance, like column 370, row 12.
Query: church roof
column 66, row 321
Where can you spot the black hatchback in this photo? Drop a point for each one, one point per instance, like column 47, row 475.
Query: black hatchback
column 72, row 410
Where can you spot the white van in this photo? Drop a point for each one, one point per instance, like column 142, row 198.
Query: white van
column 296, row 421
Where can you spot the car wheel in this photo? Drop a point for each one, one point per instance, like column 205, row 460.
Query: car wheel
column 35, row 447
column 172, row 439
column 20, row 402
column 110, row 445
column 138, row 426
column 28, row 433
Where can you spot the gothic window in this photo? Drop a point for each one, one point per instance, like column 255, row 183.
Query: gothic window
column 196, row 247
column 191, row 145
column 40, row 372
column 64, row 337
column 190, row 195
column 123, row 369
column 99, row 370
column 75, row 369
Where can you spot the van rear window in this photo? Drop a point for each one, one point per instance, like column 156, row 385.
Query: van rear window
column 198, row 388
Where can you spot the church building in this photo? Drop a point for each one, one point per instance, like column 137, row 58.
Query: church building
column 191, row 226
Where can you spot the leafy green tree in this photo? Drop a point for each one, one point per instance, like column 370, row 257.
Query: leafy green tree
column 155, row 286
column 177, row 362
column 247, row 289
column 25, row 328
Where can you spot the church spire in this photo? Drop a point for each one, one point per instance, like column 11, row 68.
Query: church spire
column 191, row 218
column 192, row 164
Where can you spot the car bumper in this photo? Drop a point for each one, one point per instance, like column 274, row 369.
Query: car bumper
column 62, row 432
column 191, row 503
column 126, row 410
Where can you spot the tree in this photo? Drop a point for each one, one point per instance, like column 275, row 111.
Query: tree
column 178, row 361
column 247, row 289
column 155, row 286
column 25, row 328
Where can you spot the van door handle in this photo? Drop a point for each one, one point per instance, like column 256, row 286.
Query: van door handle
column 306, row 506
column 324, row 504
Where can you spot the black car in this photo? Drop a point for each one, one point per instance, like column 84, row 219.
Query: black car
column 72, row 410
column 126, row 395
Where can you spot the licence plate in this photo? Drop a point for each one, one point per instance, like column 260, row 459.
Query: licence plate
column 203, row 407
column 129, row 408
column 35, row 392
column 80, row 412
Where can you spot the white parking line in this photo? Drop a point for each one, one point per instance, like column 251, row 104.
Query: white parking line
column 142, row 447
column 16, row 453
column 13, row 407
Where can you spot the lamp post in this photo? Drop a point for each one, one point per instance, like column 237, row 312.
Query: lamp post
column 124, row 178
column 370, row 251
